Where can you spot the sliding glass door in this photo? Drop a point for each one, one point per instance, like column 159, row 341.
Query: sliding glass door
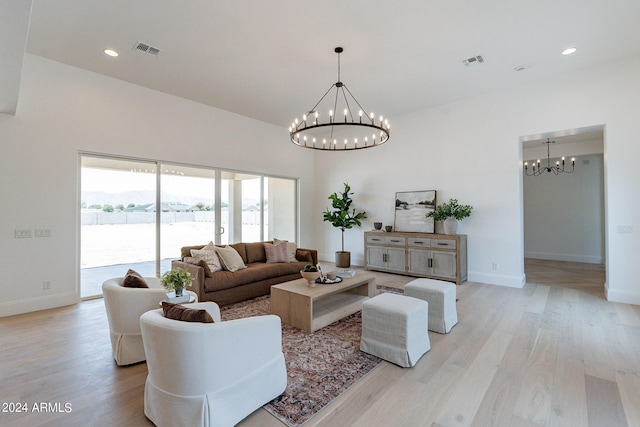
column 188, row 201
column 280, row 210
column 117, row 220
column 241, row 207
column 138, row 214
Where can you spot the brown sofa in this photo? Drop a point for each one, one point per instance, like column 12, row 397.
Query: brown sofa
column 226, row 287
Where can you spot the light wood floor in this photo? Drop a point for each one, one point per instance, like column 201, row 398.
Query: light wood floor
column 553, row 353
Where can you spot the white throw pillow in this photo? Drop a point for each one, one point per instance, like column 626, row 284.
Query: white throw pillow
column 209, row 255
column 230, row 258
column 291, row 249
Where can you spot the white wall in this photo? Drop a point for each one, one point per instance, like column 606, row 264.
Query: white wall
column 471, row 150
column 63, row 110
column 564, row 213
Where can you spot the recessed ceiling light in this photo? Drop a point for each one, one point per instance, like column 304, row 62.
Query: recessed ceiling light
column 110, row 52
column 520, row 68
column 569, row 51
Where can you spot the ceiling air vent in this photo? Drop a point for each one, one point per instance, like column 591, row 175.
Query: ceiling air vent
column 474, row 60
column 146, row 49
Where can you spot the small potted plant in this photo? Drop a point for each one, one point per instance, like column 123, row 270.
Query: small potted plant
column 176, row 280
column 450, row 213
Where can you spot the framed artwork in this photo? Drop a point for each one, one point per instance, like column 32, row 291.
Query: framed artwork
column 411, row 211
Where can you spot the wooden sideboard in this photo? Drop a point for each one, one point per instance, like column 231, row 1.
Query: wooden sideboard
column 436, row 256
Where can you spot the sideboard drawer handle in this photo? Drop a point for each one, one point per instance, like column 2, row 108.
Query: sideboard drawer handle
column 443, row 244
column 376, row 240
column 395, row 241
column 418, row 243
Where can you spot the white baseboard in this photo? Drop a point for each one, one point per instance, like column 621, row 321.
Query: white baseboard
column 355, row 260
column 617, row 295
column 497, row 279
column 587, row 259
column 12, row 308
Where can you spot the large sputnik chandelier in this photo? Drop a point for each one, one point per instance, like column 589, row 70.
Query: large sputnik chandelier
column 340, row 129
column 558, row 168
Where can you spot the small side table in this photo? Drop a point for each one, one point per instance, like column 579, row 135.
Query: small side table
column 192, row 298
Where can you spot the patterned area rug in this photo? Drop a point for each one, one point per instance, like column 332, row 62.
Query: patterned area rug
column 320, row 365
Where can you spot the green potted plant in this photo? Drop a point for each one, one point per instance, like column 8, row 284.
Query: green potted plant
column 343, row 217
column 450, row 213
column 176, row 280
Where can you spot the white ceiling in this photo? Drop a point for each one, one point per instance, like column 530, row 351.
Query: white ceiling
column 272, row 60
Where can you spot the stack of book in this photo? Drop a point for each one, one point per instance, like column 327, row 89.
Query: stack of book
column 345, row 272
column 171, row 297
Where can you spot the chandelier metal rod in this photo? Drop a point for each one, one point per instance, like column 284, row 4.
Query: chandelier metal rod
column 538, row 170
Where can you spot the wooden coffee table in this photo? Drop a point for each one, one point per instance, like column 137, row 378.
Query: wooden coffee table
column 310, row 309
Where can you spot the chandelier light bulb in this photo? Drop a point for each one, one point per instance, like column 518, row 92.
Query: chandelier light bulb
column 558, row 168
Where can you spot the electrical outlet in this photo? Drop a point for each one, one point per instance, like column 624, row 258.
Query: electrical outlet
column 42, row 232
column 494, row 266
column 46, row 285
column 22, row 234
column 625, row 229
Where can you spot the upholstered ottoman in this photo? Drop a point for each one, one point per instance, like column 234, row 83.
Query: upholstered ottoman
column 394, row 328
column 441, row 297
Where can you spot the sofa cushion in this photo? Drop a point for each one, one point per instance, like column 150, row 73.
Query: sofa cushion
column 180, row 312
column 255, row 252
column 276, row 253
column 304, row 256
column 133, row 279
column 253, row 273
column 230, row 259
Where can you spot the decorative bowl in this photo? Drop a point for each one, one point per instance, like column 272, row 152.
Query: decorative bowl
column 310, row 277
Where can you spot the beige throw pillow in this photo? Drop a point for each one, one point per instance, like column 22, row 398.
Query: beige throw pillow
column 230, row 259
column 291, row 249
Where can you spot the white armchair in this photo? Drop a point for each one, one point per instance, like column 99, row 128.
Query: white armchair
column 124, row 307
column 210, row 374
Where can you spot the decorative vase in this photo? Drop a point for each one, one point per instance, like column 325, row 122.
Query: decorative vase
column 179, row 292
column 310, row 277
column 343, row 259
column 377, row 225
column 450, row 226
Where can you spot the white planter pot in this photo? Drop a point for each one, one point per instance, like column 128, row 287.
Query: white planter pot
column 450, row 226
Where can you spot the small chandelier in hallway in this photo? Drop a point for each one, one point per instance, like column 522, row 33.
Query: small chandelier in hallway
column 341, row 129
column 558, row 168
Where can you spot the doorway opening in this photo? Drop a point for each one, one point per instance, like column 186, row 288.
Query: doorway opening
column 564, row 214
